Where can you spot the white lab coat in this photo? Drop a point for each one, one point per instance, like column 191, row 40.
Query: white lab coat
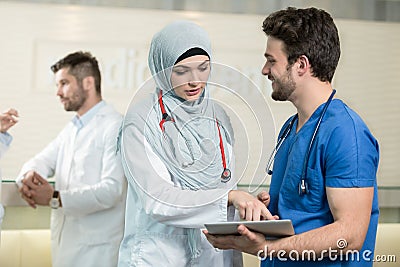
column 88, row 228
column 154, row 233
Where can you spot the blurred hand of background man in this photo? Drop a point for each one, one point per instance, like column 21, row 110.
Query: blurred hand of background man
column 8, row 119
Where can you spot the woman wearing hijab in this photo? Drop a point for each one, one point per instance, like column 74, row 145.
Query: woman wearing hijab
column 176, row 147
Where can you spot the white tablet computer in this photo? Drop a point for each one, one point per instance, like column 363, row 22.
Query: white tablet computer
column 271, row 228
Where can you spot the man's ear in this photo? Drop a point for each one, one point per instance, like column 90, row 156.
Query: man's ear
column 88, row 83
column 303, row 65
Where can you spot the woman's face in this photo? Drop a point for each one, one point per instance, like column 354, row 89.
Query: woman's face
column 189, row 77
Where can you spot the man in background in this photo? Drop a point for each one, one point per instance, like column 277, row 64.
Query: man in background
column 88, row 201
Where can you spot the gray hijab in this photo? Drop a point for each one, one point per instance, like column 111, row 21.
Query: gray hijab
column 189, row 145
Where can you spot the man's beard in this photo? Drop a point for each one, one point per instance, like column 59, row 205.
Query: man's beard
column 76, row 101
column 284, row 87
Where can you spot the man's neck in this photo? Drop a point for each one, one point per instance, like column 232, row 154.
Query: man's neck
column 307, row 99
column 90, row 103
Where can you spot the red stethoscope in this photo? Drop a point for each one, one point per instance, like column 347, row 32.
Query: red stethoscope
column 226, row 174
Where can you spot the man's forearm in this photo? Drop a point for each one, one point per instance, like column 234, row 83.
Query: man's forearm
column 318, row 243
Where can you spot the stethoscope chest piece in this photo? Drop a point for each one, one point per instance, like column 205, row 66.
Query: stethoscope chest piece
column 226, row 175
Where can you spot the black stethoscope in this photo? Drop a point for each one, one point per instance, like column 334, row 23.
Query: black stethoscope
column 226, row 173
column 303, row 185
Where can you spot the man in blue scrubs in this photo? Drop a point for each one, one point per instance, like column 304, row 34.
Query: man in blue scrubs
column 332, row 200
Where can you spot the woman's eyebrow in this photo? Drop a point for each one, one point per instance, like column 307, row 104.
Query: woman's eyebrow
column 181, row 66
column 187, row 67
column 204, row 62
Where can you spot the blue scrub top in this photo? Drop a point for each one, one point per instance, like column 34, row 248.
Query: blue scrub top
column 344, row 155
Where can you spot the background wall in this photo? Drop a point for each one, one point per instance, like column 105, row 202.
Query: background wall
column 380, row 10
column 36, row 35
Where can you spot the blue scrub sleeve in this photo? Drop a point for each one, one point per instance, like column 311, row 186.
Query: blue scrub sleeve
column 352, row 157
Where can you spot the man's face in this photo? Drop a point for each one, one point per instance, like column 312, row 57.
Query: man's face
column 277, row 69
column 72, row 95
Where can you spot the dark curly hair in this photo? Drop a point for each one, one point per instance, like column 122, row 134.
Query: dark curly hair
column 81, row 65
column 310, row 32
